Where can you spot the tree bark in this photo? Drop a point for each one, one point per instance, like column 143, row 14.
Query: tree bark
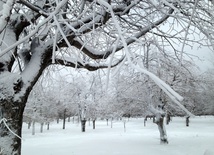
column 41, row 127
column 83, row 125
column 11, row 128
column 94, row 123
column 187, row 121
column 89, row 122
column 124, row 125
column 64, row 118
column 168, row 118
column 29, row 124
column 162, row 130
column 33, row 128
column 48, row 125
column 111, row 122
column 73, row 119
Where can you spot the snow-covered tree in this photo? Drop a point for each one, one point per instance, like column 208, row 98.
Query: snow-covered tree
column 86, row 34
column 204, row 96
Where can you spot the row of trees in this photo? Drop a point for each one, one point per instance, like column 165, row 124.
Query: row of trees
column 131, row 94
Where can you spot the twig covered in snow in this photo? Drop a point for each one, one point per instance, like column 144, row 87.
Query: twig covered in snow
column 166, row 88
column 59, row 6
column 187, row 32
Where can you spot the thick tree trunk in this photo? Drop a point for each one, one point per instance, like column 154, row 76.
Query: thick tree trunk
column 158, row 118
column 162, row 130
column 11, row 127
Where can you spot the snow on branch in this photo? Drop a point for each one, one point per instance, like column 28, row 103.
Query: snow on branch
column 72, row 62
column 37, row 28
column 129, row 56
column 5, row 12
column 91, row 52
column 187, row 31
column 64, row 36
column 174, row 96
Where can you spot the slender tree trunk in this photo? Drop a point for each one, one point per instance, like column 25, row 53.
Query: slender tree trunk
column 153, row 118
column 33, row 128
column 187, row 121
column 111, row 122
column 107, row 121
column 11, row 127
column 29, row 124
column 83, row 125
column 41, row 127
column 48, row 126
column 64, row 117
column 124, row 125
column 145, row 119
column 73, row 119
column 94, row 123
column 89, row 122
column 168, row 118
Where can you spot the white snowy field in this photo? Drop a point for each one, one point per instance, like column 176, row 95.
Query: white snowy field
column 197, row 139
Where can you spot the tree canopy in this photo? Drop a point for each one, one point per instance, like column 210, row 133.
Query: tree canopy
column 91, row 34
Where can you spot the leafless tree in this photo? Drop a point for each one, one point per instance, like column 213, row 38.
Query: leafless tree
column 90, row 34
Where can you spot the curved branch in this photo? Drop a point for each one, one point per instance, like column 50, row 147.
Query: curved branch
column 89, row 66
column 3, row 52
column 91, row 52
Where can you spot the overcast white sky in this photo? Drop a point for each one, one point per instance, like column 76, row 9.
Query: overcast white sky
column 206, row 56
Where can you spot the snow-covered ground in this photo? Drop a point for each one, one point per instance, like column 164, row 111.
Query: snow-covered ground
column 197, row 139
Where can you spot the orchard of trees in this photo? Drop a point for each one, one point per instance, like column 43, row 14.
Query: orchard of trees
column 83, row 95
column 140, row 44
